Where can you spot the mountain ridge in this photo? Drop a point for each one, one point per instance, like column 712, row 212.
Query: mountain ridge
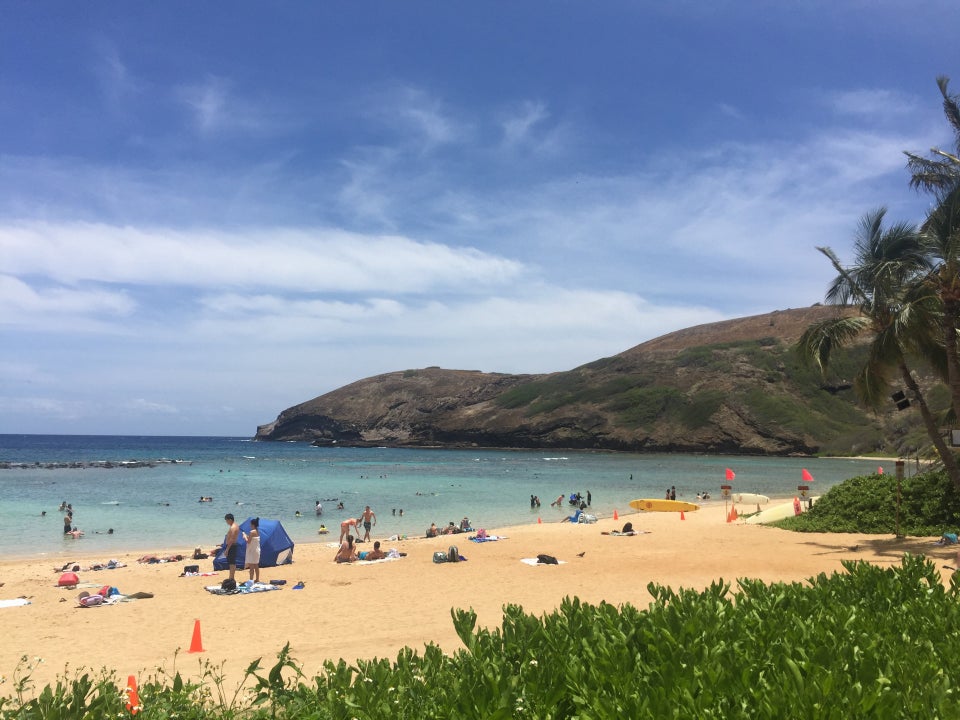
column 734, row 386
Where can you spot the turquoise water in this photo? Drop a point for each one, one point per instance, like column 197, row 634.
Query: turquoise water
column 156, row 507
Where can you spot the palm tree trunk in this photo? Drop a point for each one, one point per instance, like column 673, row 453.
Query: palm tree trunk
column 945, row 453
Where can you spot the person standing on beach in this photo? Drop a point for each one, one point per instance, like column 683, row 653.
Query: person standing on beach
column 230, row 544
column 345, row 528
column 251, row 560
column 369, row 518
column 589, row 498
column 673, row 492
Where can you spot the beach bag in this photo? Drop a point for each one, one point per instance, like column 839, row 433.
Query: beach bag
column 439, row 556
column 191, row 568
column 453, row 555
column 68, row 579
column 228, row 584
column 91, row 600
column 547, row 560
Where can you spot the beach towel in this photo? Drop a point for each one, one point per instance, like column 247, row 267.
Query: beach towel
column 535, row 561
column 486, row 538
column 629, row 533
column 374, row 562
column 246, row 588
column 15, row 602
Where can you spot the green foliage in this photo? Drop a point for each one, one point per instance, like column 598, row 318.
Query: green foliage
column 867, row 642
column 699, row 408
column 641, row 407
column 929, row 505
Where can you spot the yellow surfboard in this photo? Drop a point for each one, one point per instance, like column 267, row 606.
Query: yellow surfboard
column 653, row 505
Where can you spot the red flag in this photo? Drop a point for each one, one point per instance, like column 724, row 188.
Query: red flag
column 807, row 477
column 730, row 475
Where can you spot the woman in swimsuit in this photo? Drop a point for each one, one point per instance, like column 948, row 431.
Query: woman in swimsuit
column 251, row 561
column 347, row 552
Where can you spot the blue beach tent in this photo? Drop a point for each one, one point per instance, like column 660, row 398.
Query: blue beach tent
column 276, row 547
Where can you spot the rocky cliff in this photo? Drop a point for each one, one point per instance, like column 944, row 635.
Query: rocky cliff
column 731, row 387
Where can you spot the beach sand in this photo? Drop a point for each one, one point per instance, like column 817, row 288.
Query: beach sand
column 374, row 610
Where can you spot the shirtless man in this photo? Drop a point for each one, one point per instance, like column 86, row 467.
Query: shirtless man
column 376, row 553
column 369, row 518
column 345, row 527
column 233, row 532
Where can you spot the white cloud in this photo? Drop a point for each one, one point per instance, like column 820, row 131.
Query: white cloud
column 517, row 127
column 322, row 260
column 21, row 304
column 872, row 103
column 140, row 405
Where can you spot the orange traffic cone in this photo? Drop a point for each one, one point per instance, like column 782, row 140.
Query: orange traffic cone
column 195, row 644
column 615, row 516
column 539, row 520
column 133, row 698
column 733, row 514
column 682, row 516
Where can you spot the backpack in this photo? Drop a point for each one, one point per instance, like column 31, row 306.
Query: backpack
column 453, row 555
column 91, row 600
column 228, row 584
column 439, row 556
column 68, row 579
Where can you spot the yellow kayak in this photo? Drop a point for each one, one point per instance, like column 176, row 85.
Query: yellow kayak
column 652, row 505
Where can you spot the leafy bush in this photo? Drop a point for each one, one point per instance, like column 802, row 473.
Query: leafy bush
column 929, row 505
column 868, row 642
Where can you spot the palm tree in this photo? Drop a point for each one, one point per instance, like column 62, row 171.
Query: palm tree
column 899, row 315
column 941, row 173
column 940, row 239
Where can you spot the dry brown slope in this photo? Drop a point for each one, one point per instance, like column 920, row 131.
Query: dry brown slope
column 717, row 387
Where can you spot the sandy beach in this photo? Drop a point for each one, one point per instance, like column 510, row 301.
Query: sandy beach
column 374, row 610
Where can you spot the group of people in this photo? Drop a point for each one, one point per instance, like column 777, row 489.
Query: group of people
column 347, row 552
column 68, row 527
column 251, row 561
column 577, row 500
column 450, row 529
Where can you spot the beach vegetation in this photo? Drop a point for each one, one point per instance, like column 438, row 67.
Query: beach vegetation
column 926, row 504
column 868, row 641
column 899, row 315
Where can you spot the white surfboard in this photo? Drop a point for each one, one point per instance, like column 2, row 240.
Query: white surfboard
column 777, row 512
column 750, row 498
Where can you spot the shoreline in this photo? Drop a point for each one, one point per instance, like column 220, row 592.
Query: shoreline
column 374, row 610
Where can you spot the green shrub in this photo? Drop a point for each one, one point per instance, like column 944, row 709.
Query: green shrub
column 929, row 505
column 867, row 642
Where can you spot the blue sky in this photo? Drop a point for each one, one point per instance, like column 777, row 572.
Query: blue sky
column 210, row 212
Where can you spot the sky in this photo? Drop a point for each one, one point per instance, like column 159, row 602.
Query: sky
column 210, row 212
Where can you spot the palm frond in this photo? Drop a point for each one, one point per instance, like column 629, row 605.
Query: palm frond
column 817, row 343
column 872, row 383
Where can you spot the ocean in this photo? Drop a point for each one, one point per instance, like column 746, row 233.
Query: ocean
column 147, row 489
